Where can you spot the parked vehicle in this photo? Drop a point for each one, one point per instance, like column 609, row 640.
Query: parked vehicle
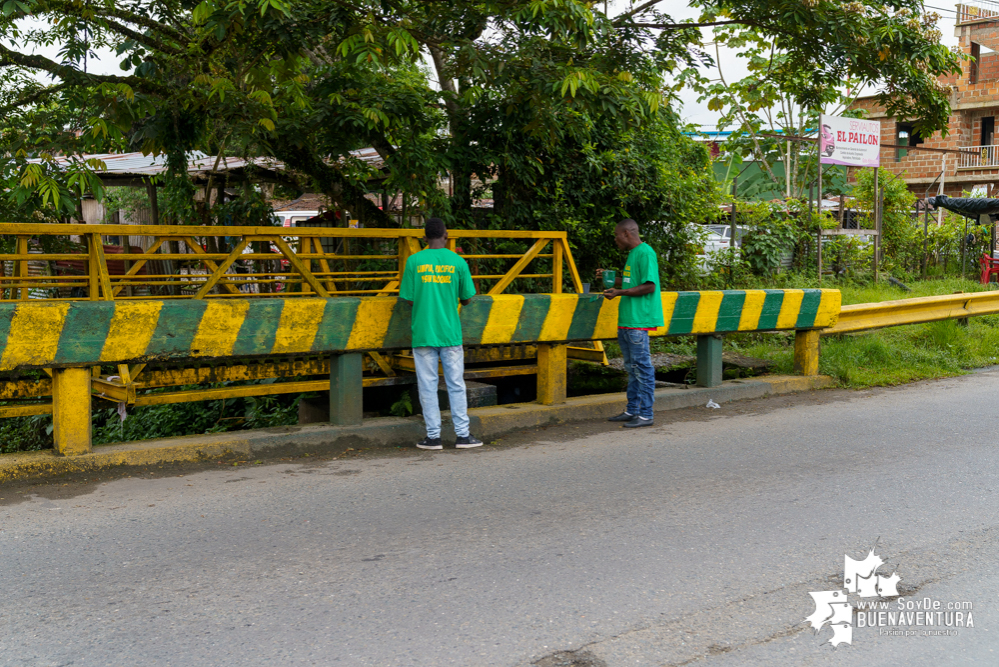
column 725, row 232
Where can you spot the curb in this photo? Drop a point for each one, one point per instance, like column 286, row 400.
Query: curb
column 486, row 423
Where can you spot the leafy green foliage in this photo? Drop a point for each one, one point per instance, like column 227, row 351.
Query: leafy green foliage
column 404, row 406
column 161, row 421
column 900, row 237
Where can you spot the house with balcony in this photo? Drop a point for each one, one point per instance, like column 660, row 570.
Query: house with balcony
column 972, row 126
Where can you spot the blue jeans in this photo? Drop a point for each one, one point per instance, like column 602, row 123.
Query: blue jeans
column 641, row 375
column 453, row 361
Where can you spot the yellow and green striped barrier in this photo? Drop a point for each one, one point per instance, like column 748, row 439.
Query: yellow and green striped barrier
column 80, row 333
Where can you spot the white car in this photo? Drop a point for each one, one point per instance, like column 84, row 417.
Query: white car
column 725, row 232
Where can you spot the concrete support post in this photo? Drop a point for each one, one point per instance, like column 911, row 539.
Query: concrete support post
column 551, row 373
column 346, row 389
column 806, row 352
column 709, row 361
column 71, row 411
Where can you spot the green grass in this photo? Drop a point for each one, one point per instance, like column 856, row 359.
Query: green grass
column 895, row 355
column 885, row 357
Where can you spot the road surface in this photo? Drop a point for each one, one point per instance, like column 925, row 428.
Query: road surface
column 695, row 542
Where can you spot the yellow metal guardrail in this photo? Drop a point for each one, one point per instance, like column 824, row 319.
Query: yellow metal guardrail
column 247, row 262
column 866, row 316
column 163, row 262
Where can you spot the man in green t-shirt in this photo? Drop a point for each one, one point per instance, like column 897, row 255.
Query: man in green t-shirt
column 434, row 281
column 640, row 311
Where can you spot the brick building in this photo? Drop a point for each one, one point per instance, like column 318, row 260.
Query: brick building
column 972, row 127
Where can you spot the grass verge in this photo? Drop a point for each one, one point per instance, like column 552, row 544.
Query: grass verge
column 885, row 357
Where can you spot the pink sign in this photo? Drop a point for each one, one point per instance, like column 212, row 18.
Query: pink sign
column 850, row 141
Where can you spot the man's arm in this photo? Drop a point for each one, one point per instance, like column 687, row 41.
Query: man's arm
column 464, row 302
column 638, row 290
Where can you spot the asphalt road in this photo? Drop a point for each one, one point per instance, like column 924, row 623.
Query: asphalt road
column 693, row 542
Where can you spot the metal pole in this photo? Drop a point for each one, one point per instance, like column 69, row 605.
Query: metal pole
column 731, row 241
column 787, row 171
column 926, row 227
column 818, row 155
column 877, row 223
column 811, row 193
column 964, row 243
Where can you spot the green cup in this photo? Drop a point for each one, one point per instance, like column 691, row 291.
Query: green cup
column 610, row 277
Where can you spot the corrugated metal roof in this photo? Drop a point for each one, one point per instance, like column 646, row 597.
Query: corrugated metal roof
column 139, row 165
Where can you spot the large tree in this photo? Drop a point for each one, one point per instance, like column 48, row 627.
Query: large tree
column 468, row 89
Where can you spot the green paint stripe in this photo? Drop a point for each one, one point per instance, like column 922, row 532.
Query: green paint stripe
column 176, row 327
column 259, row 329
column 474, row 317
column 683, row 313
column 400, row 327
column 809, row 309
column 84, row 332
column 771, row 309
column 730, row 311
column 532, row 318
column 337, row 323
column 584, row 318
column 6, row 315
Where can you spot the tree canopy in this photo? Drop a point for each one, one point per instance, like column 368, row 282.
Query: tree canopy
column 547, row 104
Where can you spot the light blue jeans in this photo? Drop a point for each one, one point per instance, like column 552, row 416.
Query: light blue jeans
column 453, row 361
column 641, row 375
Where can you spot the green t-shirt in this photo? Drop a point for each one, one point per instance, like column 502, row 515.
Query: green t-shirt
column 434, row 280
column 641, row 312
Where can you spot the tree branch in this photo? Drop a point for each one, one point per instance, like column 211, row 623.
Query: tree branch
column 635, row 10
column 32, row 98
column 72, row 76
column 681, row 26
column 145, row 40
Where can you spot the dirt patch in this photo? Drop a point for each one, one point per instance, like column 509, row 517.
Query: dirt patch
column 571, row 659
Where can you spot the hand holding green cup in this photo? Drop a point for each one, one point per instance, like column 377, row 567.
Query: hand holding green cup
column 610, row 277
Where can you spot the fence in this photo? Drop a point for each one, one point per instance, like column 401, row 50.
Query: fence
column 252, row 266
column 226, row 262
column 68, row 339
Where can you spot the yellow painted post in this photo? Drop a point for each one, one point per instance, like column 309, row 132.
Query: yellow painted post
column 806, row 352
column 557, row 267
column 22, row 267
column 71, row 411
column 551, row 373
column 93, row 273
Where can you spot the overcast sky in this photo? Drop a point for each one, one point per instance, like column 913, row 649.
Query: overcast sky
column 691, row 111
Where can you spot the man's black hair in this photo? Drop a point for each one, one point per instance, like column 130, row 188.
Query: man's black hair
column 628, row 223
column 434, row 228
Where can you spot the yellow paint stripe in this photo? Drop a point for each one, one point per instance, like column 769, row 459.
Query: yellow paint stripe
column 299, row 325
column 219, row 328
column 706, row 316
column 607, row 319
column 504, row 315
column 371, row 323
column 559, row 318
column 752, row 308
column 829, row 307
column 790, row 308
column 132, row 328
column 669, row 304
column 34, row 334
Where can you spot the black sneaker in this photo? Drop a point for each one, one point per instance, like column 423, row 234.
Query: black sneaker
column 638, row 422
column 430, row 443
column 623, row 417
column 467, row 442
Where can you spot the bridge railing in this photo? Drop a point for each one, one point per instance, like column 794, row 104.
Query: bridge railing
column 67, row 339
column 73, row 262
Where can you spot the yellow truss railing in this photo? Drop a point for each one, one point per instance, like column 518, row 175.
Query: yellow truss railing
column 262, row 261
column 294, row 264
